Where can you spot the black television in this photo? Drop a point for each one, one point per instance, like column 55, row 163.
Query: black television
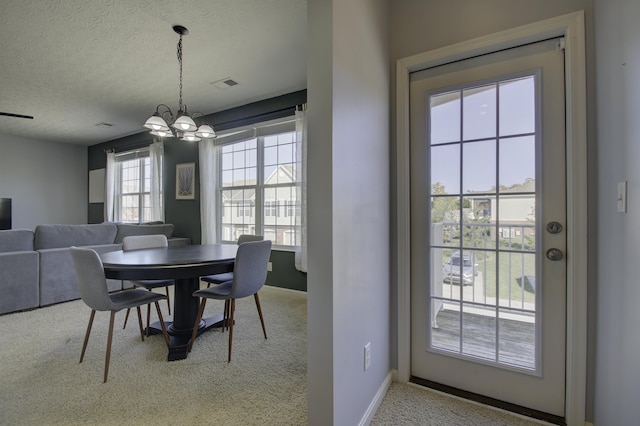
column 5, row 213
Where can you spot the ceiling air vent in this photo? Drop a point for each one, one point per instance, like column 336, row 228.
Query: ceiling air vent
column 224, row 83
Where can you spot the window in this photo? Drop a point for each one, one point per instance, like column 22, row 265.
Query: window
column 133, row 198
column 271, row 208
column 258, row 184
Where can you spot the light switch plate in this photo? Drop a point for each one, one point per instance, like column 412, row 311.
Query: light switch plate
column 622, row 197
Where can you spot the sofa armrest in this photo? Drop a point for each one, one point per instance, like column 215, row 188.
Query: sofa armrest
column 18, row 281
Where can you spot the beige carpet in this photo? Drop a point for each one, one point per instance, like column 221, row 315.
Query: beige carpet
column 409, row 404
column 42, row 383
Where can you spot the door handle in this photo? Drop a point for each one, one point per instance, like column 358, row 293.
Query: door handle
column 554, row 254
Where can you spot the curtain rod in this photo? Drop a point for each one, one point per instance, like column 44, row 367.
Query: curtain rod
column 135, row 145
column 262, row 114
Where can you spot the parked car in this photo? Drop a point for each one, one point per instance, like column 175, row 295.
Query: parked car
column 456, row 266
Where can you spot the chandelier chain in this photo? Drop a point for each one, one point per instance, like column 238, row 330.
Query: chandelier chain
column 180, row 62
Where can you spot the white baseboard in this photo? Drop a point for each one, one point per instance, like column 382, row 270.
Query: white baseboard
column 377, row 400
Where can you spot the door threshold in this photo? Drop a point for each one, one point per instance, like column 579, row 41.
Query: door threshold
column 507, row 406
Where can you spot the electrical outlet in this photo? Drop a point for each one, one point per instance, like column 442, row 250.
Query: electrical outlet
column 367, row 356
column 269, row 267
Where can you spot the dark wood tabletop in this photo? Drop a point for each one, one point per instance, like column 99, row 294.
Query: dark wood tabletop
column 184, row 264
column 170, row 262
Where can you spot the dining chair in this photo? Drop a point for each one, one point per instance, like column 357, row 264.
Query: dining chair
column 139, row 242
column 228, row 276
column 249, row 275
column 94, row 293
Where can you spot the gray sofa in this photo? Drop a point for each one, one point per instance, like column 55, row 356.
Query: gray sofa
column 19, row 271
column 36, row 267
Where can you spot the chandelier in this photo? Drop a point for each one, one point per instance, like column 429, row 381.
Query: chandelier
column 164, row 124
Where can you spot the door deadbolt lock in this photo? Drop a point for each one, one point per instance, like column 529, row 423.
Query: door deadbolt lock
column 554, row 227
column 554, row 254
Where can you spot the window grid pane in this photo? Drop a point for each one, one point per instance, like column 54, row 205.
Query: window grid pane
column 272, row 195
column 135, row 188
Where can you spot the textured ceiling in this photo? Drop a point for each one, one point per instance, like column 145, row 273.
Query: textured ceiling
column 75, row 63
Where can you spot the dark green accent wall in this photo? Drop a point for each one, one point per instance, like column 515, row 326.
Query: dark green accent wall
column 185, row 214
column 284, row 273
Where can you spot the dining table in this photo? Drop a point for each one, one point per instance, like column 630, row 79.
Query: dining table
column 184, row 264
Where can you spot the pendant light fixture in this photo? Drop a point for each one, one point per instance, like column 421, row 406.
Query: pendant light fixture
column 164, row 124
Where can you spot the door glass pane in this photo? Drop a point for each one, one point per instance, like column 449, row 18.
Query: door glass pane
column 517, row 106
column 483, row 213
column 445, row 118
column 478, row 166
column 479, row 331
column 517, row 335
column 445, row 213
column 518, row 163
column 479, row 112
column 445, row 333
column 516, row 230
column 445, row 169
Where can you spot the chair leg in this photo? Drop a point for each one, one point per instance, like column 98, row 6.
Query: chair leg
column 109, row 339
column 140, row 323
column 148, row 318
column 225, row 316
column 126, row 318
column 233, row 310
column 197, row 323
column 168, row 301
column 264, row 330
column 86, row 335
column 164, row 328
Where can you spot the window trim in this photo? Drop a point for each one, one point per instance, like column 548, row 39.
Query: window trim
column 120, row 158
column 257, row 131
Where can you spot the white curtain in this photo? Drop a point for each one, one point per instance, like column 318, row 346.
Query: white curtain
column 110, row 183
column 156, row 155
column 301, row 171
column 208, row 185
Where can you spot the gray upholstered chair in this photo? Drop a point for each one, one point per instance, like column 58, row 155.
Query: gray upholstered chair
column 228, row 276
column 249, row 275
column 139, row 242
column 93, row 291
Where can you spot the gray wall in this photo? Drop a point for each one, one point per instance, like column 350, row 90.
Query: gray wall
column 617, row 374
column 46, row 181
column 348, row 175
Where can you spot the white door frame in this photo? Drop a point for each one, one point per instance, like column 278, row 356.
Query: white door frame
column 572, row 27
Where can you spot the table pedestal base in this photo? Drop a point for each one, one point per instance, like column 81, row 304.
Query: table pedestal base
column 179, row 339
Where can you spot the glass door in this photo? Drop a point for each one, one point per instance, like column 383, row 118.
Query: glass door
column 488, row 276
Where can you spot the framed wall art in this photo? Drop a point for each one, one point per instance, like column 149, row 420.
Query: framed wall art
column 185, row 181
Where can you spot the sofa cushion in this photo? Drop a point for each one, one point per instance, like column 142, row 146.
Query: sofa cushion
column 16, row 240
column 19, row 283
column 55, row 236
column 128, row 229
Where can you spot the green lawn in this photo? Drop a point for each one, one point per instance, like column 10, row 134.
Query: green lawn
column 511, row 266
